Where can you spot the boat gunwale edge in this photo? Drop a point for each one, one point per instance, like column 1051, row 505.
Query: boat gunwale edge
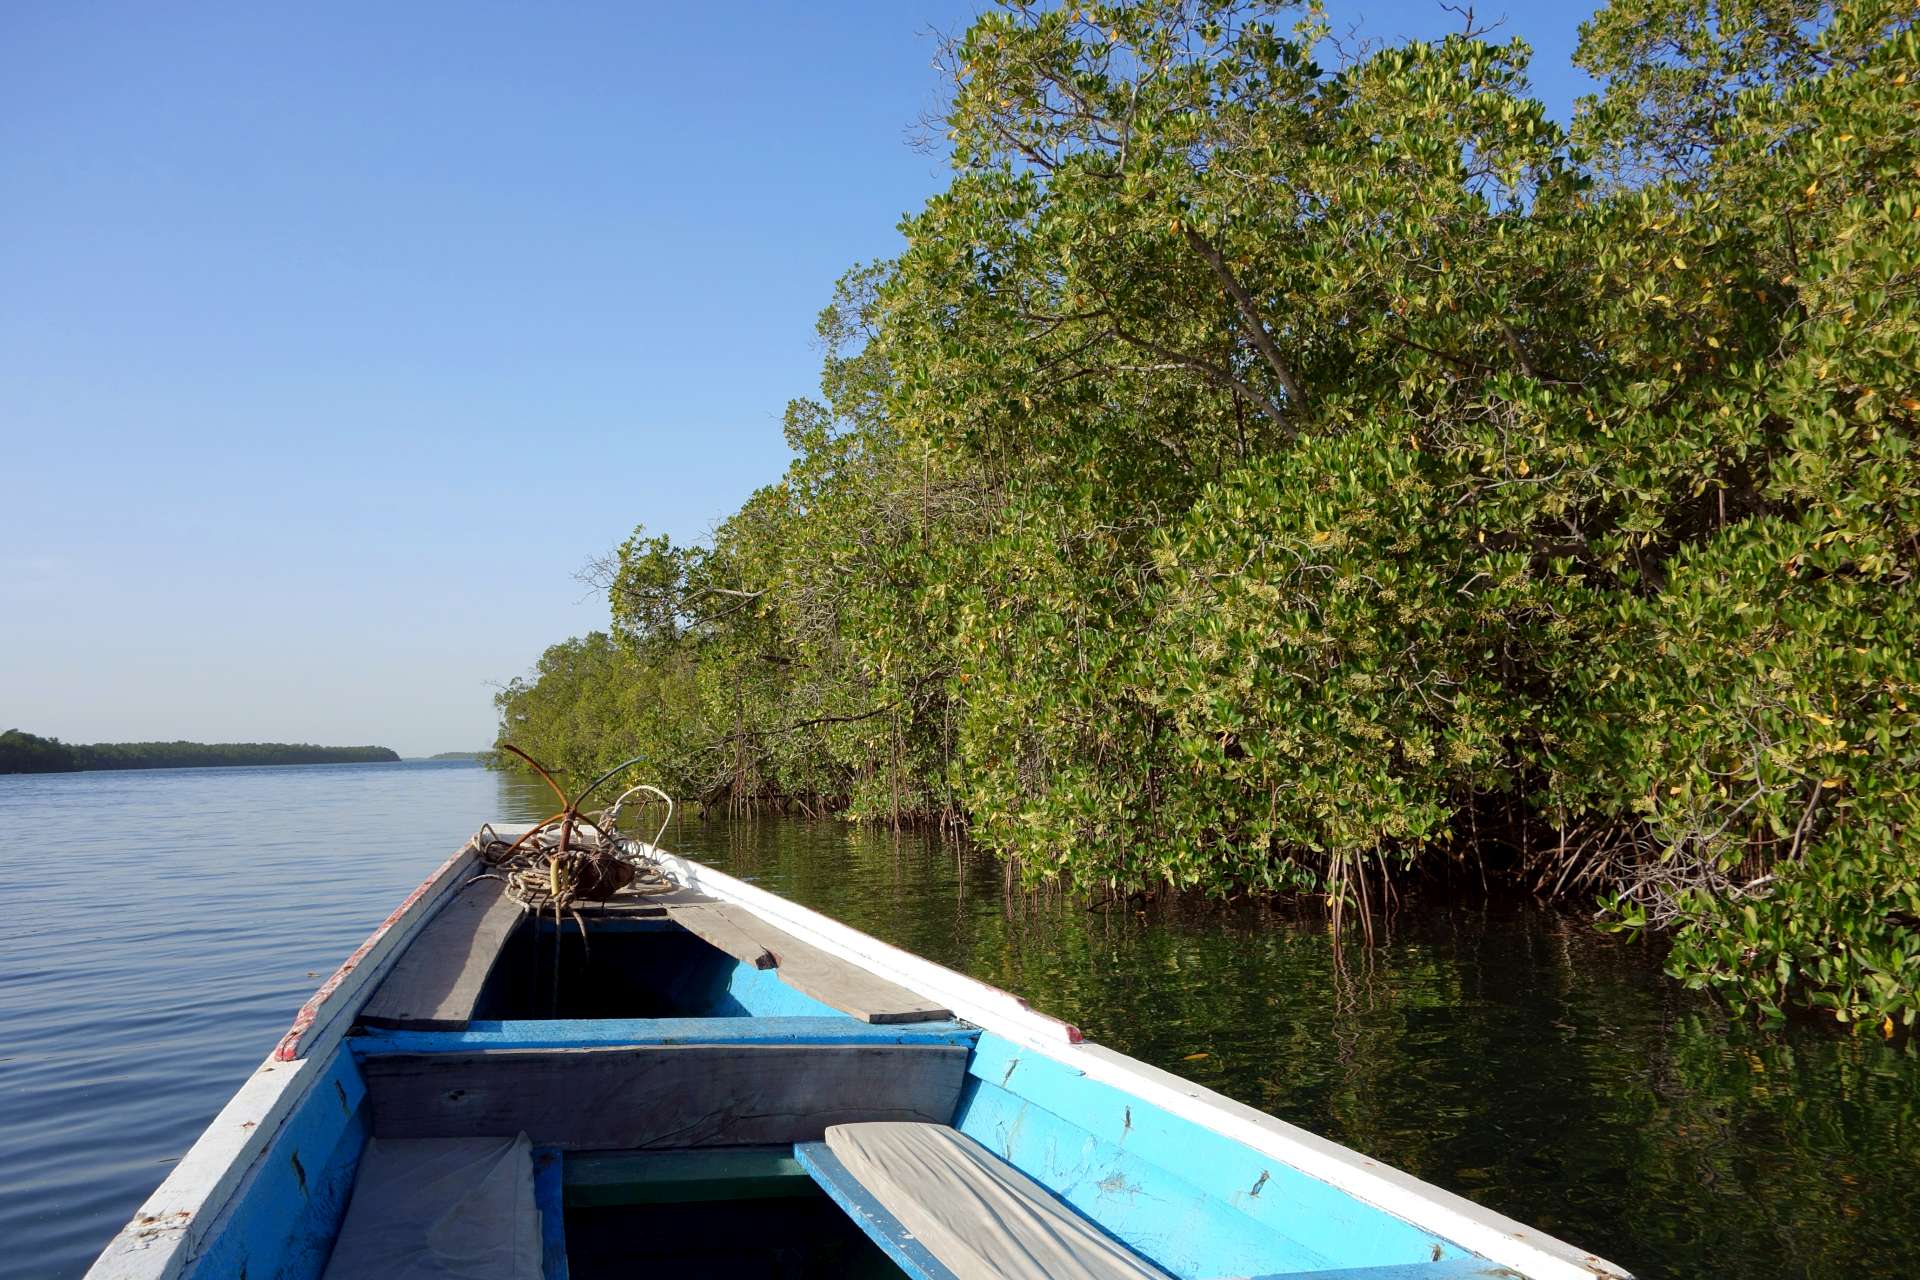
column 165, row 1233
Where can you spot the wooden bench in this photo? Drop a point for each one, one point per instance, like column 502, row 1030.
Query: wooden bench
column 639, row 1097
column 807, row 969
column 942, row 1207
column 435, row 983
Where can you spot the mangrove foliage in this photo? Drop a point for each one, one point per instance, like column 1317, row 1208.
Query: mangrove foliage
column 1276, row 466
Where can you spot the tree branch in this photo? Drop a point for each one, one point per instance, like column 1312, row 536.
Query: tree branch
column 1225, row 377
column 1250, row 312
column 795, row 726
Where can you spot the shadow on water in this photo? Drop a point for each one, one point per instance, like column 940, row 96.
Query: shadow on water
column 1513, row 1055
column 164, row 927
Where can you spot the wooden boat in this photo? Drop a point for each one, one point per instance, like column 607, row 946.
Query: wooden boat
column 726, row 1083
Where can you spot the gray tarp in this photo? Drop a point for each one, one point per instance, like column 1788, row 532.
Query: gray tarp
column 441, row 1209
column 978, row 1214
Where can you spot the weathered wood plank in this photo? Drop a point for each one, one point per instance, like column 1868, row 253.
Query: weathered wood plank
column 844, row 985
column 662, row 1095
column 806, row 968
column 436, row 983
column 323, row 1020
column 645, row 905
column 1011, row 1227
column 728, row 928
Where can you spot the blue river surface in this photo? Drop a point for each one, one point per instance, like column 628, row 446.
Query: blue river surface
column 163, row 926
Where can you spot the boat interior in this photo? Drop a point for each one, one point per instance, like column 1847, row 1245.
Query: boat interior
column 672, row 1086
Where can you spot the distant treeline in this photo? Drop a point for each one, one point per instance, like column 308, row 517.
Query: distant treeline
column 29, row 753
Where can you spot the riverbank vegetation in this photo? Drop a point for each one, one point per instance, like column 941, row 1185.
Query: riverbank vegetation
column 29, row 753
column 1284, row 468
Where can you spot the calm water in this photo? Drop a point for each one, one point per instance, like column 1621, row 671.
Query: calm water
column 1510, row 1055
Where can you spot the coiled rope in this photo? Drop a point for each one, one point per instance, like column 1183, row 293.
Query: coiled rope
column 565, row 860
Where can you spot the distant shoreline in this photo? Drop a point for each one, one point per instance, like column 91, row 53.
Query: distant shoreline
column 189, row 768
column 22, row 752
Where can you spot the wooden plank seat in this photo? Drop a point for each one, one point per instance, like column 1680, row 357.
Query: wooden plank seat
column 942, row 1206
column 722, row 926
column 945, row 1208
column 438, row 979
column 639, row 1097
column 631, row 905
column 442, row 1209
column 827, row 978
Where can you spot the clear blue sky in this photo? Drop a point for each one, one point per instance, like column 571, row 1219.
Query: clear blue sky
column 334, row 340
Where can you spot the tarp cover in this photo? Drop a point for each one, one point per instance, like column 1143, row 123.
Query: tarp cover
column 441, row 1209
column 978, row 1214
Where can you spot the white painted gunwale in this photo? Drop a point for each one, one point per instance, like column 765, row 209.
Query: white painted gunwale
column 1492, row 1235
